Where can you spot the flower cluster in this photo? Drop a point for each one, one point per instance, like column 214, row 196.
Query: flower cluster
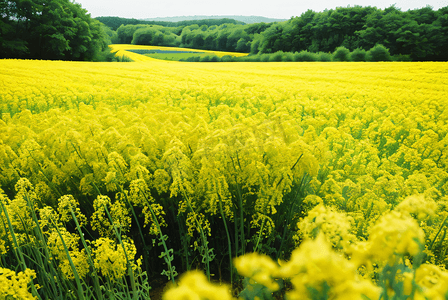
column 194, row 285
column 113, row 260
column 16, row 285
column 251, row 157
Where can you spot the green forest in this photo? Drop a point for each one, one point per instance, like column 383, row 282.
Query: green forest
column 60, row 29
column 50, row 29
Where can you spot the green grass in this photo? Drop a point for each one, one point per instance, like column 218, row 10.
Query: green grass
column 175, row 56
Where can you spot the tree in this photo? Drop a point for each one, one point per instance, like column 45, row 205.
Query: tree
column 49, row 29
column 378, row 53
column 442, row 38
column 341, row 54
column 235, row 35
column 243, row 45
column 198, row 41
column 274, row 39
column 358, row 55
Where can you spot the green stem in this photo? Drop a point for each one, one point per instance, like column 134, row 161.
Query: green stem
column 259, row 234
column 290, row 212
column 94, row 273
column 137, row 222
column 183, row 237
column 240, row 206
column 229, row 243
column 49, row 275
column 162, row 238
column 235, row 220
column 79, row 290
column 438, row 232
column 203, row 238
column 241, row 210
column 128, row 264
column 17, row 251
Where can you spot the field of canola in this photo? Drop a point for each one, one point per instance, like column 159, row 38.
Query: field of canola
column 125, row 50
column 324, row 179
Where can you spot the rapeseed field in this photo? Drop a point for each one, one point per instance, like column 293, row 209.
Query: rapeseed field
column 309, row 180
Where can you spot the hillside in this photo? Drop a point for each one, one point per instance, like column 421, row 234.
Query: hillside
column 245, row 19
column 115, row 22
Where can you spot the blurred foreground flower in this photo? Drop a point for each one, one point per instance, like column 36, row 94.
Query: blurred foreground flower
column 195, row 286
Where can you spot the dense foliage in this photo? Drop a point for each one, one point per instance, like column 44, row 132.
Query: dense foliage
column 50, row 29
column 376, row 53
column 421, row 34
column 112, row 174
column 115, row 22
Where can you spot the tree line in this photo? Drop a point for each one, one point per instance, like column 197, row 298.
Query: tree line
column 51, row 29
column 115, row 22
column 420, row 34
column 61, row 29
column 225, row 37
column 376, row 53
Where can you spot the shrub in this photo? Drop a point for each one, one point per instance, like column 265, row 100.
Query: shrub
column 105, row 55
column 206, row 58
column 264, row 57
column 358, row 55
column 277, row 56
column 324, row 56
column 341, row 54
column 254, row 58
column 305, row 56
column 402, row 57
column 227, row 58
column 378, row 53
column 288, row 56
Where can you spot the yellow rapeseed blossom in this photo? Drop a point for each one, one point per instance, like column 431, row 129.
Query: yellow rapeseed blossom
column 195, row 286
column 260, row 268
column 48, row 218
column 105, row 210
column 112, row 259
column 336, row 226
column 56, row 241
column 432, row 282
column 161, row 181
column 361, row 138
column 393, row 234
column 16, row 285
column 122, row 50
column 417, row 205
column 20, row 211
column 68, row 205
column 314, row 264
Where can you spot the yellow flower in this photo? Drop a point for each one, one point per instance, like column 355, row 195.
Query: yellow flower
column 16, row 285
column 314, row 264
column 161, row 181
column 193, row 285
column 335, row 225
column 78, row 256
column 67, row 205
column 393, row 234
column 259, row 268
column 112, row 259
column 100, row 220
column 418, row 205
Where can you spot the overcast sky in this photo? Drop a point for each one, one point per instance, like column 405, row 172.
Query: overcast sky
column 283, row 9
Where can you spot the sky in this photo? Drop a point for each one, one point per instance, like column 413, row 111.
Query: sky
column 282, row 9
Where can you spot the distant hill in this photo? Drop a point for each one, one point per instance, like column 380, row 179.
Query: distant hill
column 115, row 22
column 245, row 19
